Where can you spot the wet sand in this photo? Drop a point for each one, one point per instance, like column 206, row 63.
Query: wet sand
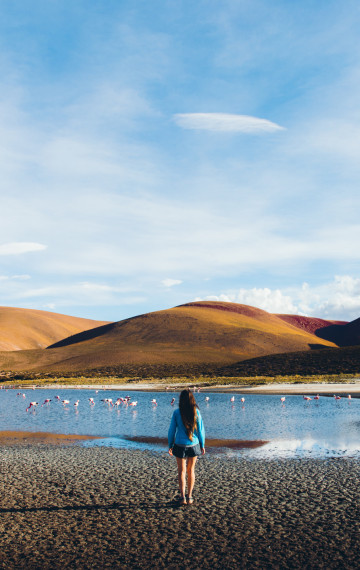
column 69, row 506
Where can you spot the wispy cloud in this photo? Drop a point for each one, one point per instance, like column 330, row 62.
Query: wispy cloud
column 17, row 248
column 171, row 282
column 223, row 122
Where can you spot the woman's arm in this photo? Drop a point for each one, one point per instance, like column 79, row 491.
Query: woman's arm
column 200, row 431
column 172, row 431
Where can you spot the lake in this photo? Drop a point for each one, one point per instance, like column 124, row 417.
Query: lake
column 295, row 428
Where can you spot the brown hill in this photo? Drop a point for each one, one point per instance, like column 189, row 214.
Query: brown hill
column 23, row 329
column 193, row 334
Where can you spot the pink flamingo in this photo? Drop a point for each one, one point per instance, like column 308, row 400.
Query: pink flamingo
column 154, row 402
column 47, row 401
column 307, row 398
column 65, row 402
column 32, row 405
column 172, row 401
column 207, row 398
column 337, row 397
column 282, row 399
column 133, row 404
column 317, row 397
column 232, row 399
column 242, row 400
column 76, row 404
column 57, row 398
column 91, row 401
column 349, row 396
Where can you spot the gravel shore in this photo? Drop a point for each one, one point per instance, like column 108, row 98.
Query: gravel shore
column 68, row 506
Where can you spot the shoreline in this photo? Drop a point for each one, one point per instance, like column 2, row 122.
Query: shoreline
column 324, row 388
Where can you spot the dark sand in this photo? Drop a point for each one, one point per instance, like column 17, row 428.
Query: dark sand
column 68, row 506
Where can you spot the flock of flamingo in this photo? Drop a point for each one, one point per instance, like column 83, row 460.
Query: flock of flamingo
column 125, row 402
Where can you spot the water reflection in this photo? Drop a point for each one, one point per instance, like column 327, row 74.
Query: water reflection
column 294, row 427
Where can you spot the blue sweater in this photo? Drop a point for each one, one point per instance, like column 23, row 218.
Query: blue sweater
column 177, row 433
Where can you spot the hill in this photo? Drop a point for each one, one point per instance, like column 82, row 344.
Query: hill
column 329, row 361
column 24, row 329
column 311, row 324
column 343, row 335
column 195, row 334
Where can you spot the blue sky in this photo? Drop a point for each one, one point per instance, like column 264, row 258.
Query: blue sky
column 153, row 153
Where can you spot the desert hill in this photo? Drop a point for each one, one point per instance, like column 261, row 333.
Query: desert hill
column 193, row 334
column 24, row 329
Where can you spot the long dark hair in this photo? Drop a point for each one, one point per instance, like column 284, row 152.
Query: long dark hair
column 188, row 408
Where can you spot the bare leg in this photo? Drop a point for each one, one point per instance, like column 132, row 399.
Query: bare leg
column 181, row 465
column 190, row 467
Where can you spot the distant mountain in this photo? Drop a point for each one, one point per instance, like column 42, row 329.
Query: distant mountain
column 341, row 334
column 24, row 329
column 345, row 360
column 310, row 324
column 203, row 333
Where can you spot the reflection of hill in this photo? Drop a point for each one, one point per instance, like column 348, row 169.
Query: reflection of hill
column 23, row 329
column 204, row 333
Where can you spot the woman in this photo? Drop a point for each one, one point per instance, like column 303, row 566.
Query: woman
column 186, row 440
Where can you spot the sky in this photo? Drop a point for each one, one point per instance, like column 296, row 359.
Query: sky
column 157, row 153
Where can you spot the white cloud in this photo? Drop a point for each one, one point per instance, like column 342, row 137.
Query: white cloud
column 273, row 301
column 82, row 294
column 171, row 282
column 226, row 123
column 17, row 248
column 338, row 299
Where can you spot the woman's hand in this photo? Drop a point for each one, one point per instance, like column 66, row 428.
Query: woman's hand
column 203, row 451
column 170, row 451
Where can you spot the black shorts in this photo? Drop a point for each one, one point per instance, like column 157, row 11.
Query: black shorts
column 183, row 451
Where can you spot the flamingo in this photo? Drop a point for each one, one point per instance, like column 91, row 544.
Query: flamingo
column 172, row 401
column 153, row 401
column 91, row 400
column 57, row 398
column 232, row 399
column 76, row 404
column 242, row 400
column 282, row 399
column 65, row 402
column 207, row 398
column 337, row 397
column 349, row 396
column 133, row 404
column 307, row 398
column 32, row 405
column 47, row 401
column 316, row 397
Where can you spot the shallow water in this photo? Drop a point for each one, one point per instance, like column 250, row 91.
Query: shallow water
column 295, row 428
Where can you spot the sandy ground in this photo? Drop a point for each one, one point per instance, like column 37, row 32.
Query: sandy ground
column 69, row 506
column 350, row 387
